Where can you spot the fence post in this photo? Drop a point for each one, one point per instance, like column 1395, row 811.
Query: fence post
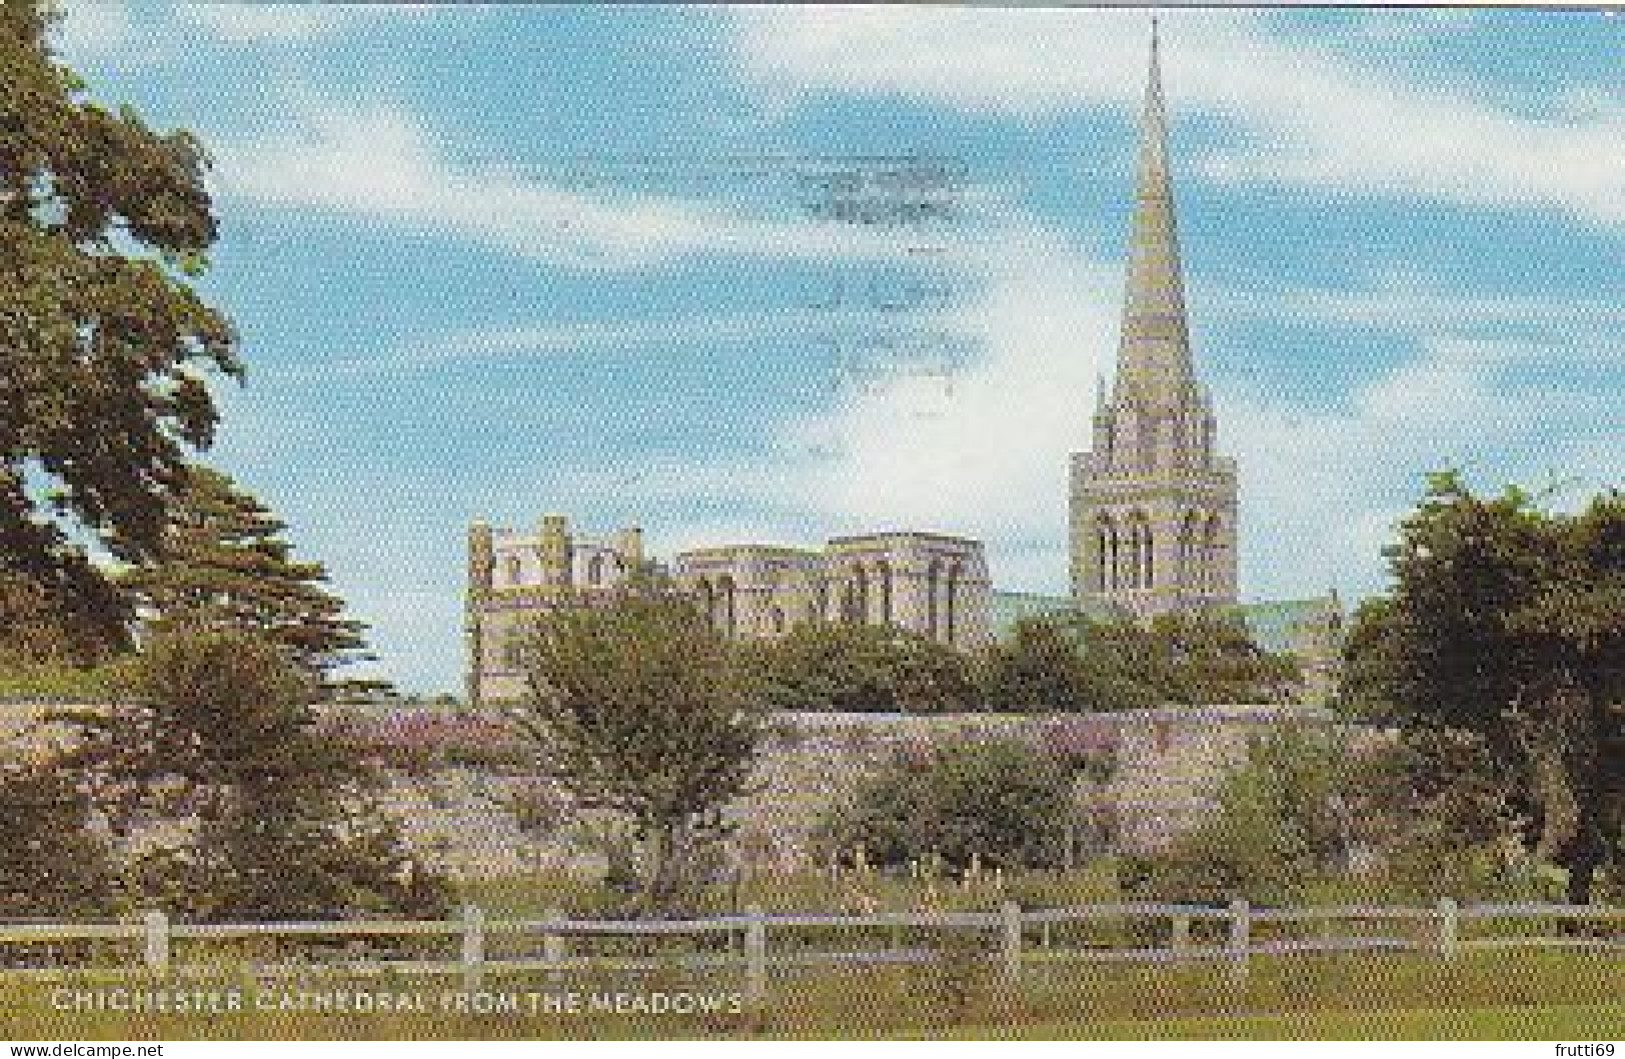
column 157, row 935
column 553, row 948
column 1448, row 926
column 1241, row 928
column 1182, row 934
column 1010, row 914
column 473, row 946
column 755, row 955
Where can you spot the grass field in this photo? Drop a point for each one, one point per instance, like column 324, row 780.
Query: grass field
column 1556, row 1022
column 1538, row 996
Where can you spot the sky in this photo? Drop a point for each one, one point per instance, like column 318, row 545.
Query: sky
column 500, row 261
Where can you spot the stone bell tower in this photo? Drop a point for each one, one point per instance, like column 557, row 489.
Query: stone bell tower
column 1153, row 505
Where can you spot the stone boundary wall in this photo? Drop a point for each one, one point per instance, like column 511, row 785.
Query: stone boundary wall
column 465, row 790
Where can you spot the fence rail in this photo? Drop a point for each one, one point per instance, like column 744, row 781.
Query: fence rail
column 1011, row 947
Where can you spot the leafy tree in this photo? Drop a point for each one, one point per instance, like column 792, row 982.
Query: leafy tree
column 1038, row 667
column 52, row 861
column 638, row 707
column 102, row 221
column 1004, row 803
column 224, row 738
column 1282, row 823
column 39, row 632
column 1507, row 622
column 224, row 563
column 1211, row 658
column 1078, row 662
column 1431, row 808
column 860, row 668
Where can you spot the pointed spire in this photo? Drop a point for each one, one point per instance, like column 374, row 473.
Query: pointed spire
column 1153, row 360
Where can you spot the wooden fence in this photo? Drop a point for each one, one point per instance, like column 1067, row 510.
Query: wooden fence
column 744, row 943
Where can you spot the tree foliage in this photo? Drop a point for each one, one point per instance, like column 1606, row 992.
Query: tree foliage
column 220, row 737
column 1080, row 663
column 638, row 707
column 53, row 863
column 224, row 563
column 101, row 221
column 1004, row 803
column 860, row 669
column 1282, row 823
column 1508, row 622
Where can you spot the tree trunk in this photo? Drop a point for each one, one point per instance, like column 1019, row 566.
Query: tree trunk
column 1580, row 875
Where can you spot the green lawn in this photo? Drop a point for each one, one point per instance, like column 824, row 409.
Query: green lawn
column 1557, row 1022
column 1522, row 996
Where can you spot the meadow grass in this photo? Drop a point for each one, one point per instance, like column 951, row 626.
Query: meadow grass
column 1532, row 995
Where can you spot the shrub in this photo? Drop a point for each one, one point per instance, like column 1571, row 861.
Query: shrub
column 1282, row 824
column 1003, row 803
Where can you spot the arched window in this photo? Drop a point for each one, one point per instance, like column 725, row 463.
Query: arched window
column 1104, row 543
column 595, row 570
column 1116, row 562
column 725, row 602
column 933, row 579
column 1190, row 549
column 1213, row 545
column 1148, row 556
column 883, row 584
column 514, row 569
column 851, row 597
column 708, row 600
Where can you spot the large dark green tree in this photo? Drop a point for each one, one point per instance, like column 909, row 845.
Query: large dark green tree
column 218, row 731
column 638, row 708
column 1006, row 804
column 1507, row 622
column 1072, row 662
column 224, row 563
column 104, row 347
column 860, row 669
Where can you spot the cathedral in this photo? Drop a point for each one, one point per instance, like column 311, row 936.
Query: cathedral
column 1152, row 525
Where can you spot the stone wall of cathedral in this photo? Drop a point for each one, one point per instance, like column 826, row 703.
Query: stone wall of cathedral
column 931, row 584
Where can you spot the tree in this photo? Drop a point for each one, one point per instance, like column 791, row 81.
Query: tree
column 221, row 737
column 1211, row 658
column 224, row 563
column 1282, row 823
column 1084, row 663
column 52, row 862
column 639, row 708
column 38, row 631
column 102, row 221
column 1508, row 622
column 1003, row 803
column 1037, row 667
column 860, row 668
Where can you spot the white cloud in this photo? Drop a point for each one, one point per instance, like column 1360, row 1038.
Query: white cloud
column 93, row 27
column 380, row 163
column 242, row 23
column 1308, row 116
column 250, row 23
column 1397, row 301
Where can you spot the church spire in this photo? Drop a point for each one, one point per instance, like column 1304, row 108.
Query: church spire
column 1153, row 358
column 1152, row 512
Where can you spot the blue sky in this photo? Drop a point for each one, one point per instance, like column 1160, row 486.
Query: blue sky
column 498, row 261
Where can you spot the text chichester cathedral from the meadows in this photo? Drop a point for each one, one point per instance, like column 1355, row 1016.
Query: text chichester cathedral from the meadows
column 1152, row 516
